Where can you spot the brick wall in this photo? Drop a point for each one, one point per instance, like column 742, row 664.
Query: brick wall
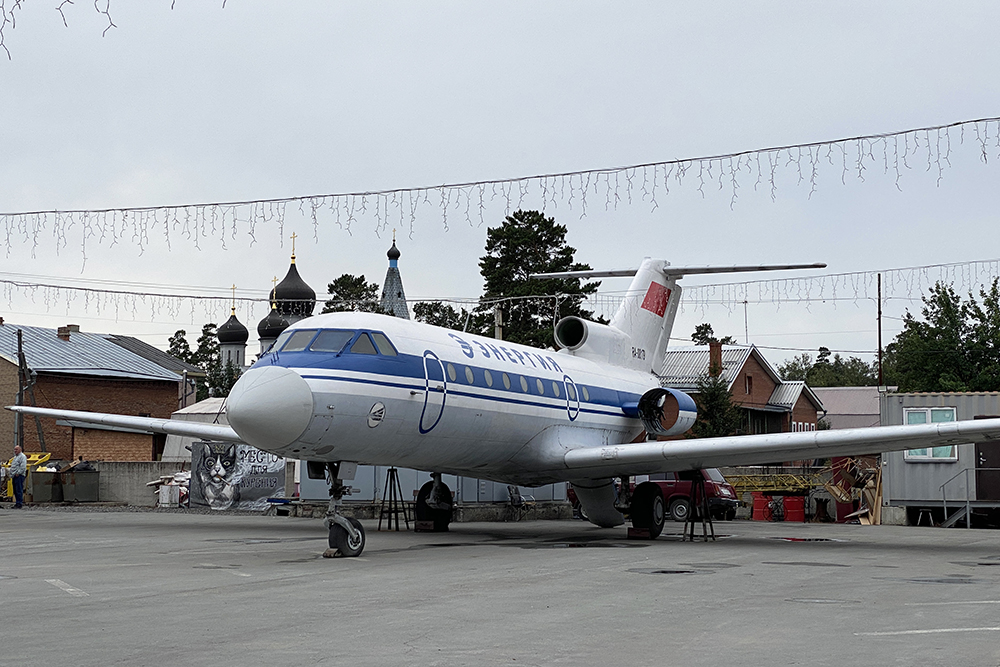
column 8, row 394
column 763, row 385
column 127, row 397
column 804, row 411
column 102, row 445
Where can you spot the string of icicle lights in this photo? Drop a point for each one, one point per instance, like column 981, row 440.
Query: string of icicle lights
column 900, row 284
column 928, row 148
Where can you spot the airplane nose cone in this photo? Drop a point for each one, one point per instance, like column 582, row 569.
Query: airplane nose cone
column 270, row 407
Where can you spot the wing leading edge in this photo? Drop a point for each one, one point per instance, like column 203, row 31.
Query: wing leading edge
column 671, row 455
column 153, row 425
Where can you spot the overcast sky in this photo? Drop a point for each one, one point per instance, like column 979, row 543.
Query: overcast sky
column 268, row 99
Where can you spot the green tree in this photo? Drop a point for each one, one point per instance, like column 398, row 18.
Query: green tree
column 527, row 242
column 796, row 368
column 443, row 315
column 718, row 416
column 954, row 347
column 352, row 293
column 704, row 334
column 221, row 378
column 840, row 372
column 208, row 347
column 178, row 346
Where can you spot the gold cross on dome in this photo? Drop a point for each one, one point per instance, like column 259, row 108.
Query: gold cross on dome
column 274, row 288
column 293, row 237
column 234, row 298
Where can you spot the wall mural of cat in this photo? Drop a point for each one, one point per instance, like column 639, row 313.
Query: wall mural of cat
column 234, row 476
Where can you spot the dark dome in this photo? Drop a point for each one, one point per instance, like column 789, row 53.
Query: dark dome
column 272, row 325
column 233, row 331
column 393, row 251
column 293, row 296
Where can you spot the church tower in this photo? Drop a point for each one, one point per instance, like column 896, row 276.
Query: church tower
column 233, row 337
column 393, row 298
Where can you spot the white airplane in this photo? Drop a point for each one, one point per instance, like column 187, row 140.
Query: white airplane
column 349, row 388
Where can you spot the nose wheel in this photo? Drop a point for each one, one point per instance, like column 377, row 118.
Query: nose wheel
column 647, row 510
column 348, row 541
column 347, row 535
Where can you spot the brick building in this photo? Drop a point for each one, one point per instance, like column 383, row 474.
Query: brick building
column 771, row 405
column 74, row 370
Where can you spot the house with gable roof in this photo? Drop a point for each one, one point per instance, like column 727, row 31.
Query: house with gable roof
column 76, row 370
column 770, row 404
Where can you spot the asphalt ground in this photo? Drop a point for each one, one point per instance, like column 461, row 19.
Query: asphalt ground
column 147, row 588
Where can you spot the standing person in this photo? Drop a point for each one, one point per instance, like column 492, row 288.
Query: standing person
column 18, row 469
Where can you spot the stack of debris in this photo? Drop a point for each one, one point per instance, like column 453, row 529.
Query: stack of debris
column 172, row 490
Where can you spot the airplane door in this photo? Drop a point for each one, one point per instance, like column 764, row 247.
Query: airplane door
column 572, row 398
column 435, row 392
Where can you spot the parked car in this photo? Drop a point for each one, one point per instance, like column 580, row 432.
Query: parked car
column 676, row 487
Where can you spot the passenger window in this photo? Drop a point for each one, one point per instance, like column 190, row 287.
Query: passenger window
column 524, row 384
column 489, row 378
column 571, row 392
column 555, row 388
column 469, row 375
column 384, row 346
column 451, row 373
column 541, row 387
column 299, row 340
column 506, row 381
column 331, row 341
column 586, row 394
column 363, row 345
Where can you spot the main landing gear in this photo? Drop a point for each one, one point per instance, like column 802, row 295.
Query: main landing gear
column 347, row 535
column 647, row 510
column 434, row 506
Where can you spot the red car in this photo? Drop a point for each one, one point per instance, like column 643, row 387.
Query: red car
column 676, row 487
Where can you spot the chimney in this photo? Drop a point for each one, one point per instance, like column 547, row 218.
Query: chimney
column 715, row 358
column 63, row 333
column 73, row 328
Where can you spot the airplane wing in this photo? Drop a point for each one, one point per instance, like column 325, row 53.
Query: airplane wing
column 672, row 455
column 168, row 426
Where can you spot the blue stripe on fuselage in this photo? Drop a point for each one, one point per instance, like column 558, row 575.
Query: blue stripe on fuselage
column 411, row 367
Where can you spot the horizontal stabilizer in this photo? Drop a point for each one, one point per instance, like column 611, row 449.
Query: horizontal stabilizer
column 672, row 455
column 678, row 271
column 148, row 424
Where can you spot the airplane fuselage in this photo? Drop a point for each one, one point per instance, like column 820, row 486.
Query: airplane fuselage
column 387, row 391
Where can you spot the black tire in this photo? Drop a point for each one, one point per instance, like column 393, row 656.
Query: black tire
column 680, row 509
column 730, row 515
column 441, row 518
column 341, row 540
column 647, row 509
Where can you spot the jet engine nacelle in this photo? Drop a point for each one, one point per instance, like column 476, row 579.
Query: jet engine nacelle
column 592, row 340
column 666, row 411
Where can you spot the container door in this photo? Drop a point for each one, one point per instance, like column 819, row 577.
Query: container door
column 987, row 456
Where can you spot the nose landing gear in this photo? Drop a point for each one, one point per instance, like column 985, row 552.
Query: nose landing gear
column 347, row 535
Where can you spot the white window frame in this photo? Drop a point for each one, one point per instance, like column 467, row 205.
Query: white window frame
column 928, row 454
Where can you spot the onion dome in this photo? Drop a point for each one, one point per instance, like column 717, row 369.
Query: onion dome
column 393, row 251
column 271, row 326
column 233, row 331
column 292, row 296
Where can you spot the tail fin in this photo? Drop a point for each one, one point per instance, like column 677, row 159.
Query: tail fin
column 646, row 314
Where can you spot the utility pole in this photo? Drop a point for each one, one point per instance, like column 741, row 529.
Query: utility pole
column 880, row 382
column 19, row 417
column 746, row 324
column 497, row 322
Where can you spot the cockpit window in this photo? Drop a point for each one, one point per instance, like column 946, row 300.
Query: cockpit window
column 383, row 344
column 363, row 345
column 331, row 340
column 298, row 340
column 276, row 345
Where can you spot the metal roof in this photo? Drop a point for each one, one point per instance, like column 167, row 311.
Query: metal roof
column 786, row 395
column 684, row 366
column 154, row 354
column 83, row 354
